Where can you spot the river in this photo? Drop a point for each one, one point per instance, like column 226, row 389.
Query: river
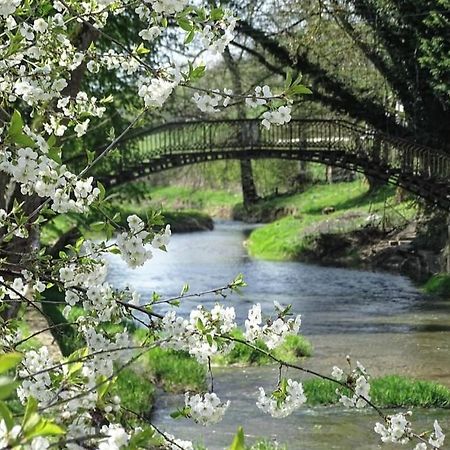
column 383, row 320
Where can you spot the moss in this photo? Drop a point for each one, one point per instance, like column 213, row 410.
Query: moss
column 388, row 391
column 438, row 285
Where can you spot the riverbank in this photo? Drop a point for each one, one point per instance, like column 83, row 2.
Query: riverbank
column 345, row 225
column 340, row 224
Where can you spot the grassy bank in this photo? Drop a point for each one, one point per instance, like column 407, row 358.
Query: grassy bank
column 180, row 221
column 438, row 285
column 323, row 208
column 388, row 391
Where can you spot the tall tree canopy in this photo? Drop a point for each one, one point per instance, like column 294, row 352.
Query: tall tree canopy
column 402, row 45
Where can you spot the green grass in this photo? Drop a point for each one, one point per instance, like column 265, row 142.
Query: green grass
column 289, row 237
column 293, row 348
column 135, row 390
column 215, row 203
column 265, row 444
column 175, row 371
column 387, row 391
column 439, row 285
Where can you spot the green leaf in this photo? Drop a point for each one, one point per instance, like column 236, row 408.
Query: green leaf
column 217, row 14
column 190, row 37
column 141, row 439
column 9, row 361
column 103, row 386
column 97, row 226
column 30, row 409
column 201, row 13
column 197, row 73
column 238, row 441
column 90, row 156
column 300, row 89
column 102, row 189
column 185, row 24
column 288, row 80
column 200, row 325
column 6, row 415
column 7, row 387
column 141, row 50
column 16, row 125
column 55, row 154
column 45, row 428
column 22, row 140
column 51, row 141
column 184, row 289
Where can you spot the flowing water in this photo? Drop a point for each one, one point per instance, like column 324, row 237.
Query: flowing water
column 380, row 319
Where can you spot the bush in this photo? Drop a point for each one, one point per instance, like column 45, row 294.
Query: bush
column 438, row 285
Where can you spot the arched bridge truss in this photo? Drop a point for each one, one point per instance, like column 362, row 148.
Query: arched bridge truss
column 418, row 169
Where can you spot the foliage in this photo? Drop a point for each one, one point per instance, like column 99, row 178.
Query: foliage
column 439, row 285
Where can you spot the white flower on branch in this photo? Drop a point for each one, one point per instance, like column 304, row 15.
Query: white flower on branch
column 283, row 401
column 206, row 408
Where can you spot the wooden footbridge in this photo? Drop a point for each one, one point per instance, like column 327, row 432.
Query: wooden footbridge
column 421, row 170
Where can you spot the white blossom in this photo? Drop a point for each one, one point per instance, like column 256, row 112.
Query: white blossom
column 205, row 408
column 283, row 401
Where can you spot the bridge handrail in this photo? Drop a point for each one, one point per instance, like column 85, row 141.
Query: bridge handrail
column 363, row 131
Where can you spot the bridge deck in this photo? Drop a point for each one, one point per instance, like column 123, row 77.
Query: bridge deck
column 419, row 169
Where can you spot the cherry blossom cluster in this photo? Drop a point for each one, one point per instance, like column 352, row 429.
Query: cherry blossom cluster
column 117, row 437
column 282, row 402
column 272, row 332
column 217, row 36
column 132, row 244
column 39, row 386
column 398, row 430
column 205, row 408
column 200, row 335
column 209, row 103
column 436, row 440
column 279, row 116
column 85, row 284
column 358, row 380
column 175, row 444
column 105, row 351
column 38, row 173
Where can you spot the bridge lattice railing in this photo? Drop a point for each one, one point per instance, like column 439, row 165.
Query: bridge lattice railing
column 396, row 155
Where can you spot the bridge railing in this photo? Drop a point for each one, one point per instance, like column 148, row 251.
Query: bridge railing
column 361, row 144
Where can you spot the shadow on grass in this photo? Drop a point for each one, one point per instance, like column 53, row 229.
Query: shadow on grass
column 365, row 199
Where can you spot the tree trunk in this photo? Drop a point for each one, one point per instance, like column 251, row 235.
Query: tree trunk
column 249, row 194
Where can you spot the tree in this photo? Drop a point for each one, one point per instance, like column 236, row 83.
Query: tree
column 404, row 42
